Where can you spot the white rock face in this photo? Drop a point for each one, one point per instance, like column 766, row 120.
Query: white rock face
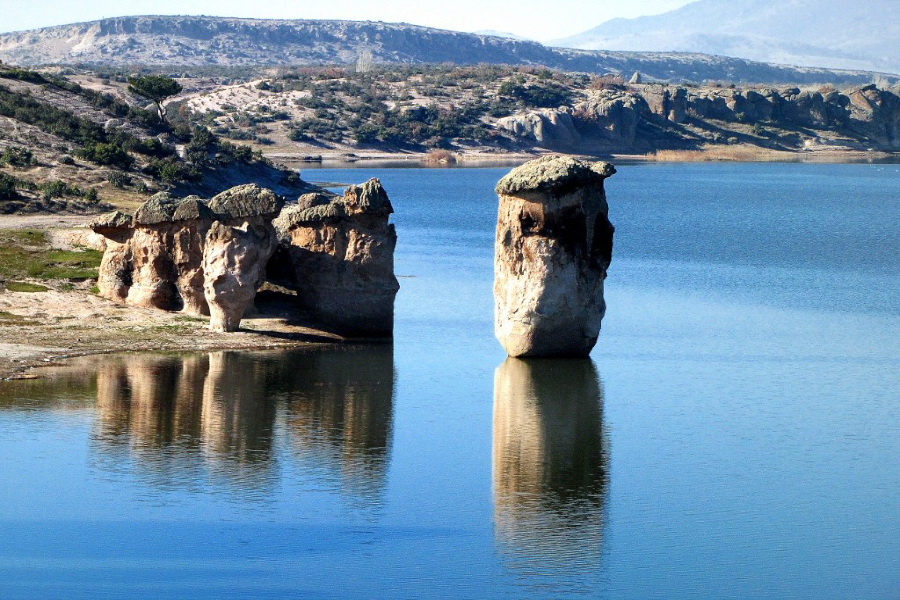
column 181, row 254
column 234, row 267
column 553, row 247
column 549, row 127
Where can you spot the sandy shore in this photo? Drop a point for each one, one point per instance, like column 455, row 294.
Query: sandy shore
column 40, row 328
column 43, row 328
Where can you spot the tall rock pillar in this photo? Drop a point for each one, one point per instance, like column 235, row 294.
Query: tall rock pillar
column 554, row 245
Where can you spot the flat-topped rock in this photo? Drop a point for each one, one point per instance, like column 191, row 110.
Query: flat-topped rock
column 112, row 221
column 552, row 174
column 337, row 252
column 552, row 250
column 249, row 200
column 166, row 256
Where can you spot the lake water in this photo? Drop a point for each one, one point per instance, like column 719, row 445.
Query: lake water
column 735, row 435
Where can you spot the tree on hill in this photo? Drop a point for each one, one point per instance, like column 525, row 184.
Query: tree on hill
column 156, row 88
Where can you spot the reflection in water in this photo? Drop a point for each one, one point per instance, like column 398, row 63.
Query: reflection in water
column 341, row 427
column 549, row 469
column 183, row 420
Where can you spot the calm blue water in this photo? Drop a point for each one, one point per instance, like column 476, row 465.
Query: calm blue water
column 736, row 435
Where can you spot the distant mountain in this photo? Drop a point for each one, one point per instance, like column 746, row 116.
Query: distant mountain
column 203, row 41
column 860, row 34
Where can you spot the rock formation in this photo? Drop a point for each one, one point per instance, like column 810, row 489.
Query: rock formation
column 189, row 255
column 550, row 128
column 337, row 252
column 553, row 247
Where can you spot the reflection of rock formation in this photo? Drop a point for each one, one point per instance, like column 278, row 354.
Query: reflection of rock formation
column 549, row 468
column 554, row 244
column 179, row 415
column 176, row 414
column 344, row 423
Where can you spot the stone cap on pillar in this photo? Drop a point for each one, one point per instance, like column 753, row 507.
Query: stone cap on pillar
column 555, row 175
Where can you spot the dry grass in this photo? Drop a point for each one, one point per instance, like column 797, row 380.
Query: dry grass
column 440, row 157
column 721, row 154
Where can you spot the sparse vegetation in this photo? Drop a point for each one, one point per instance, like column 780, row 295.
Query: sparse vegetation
column 17, row 157
column 26, row 254
column 24, row 286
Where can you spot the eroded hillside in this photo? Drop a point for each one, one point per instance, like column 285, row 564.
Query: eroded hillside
column 504, row 109
column 66, row 147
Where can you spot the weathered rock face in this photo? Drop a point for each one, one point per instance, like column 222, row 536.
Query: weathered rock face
column 876, row 114
column 182, row 254
column 611, row 116
column 550, row 128
column 234, row 266
column 553, row 247
column 337, row 252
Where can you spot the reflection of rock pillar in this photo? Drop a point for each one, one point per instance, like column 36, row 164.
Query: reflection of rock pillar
column 549, row 462
column 553, row 246
column 345, row 423
column 237, row 416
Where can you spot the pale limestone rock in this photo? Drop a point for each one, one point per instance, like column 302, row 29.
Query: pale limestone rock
column 337, row 252
column 553, row 247
column 156, row 259
column 234, row 266
column 550, row 128
column 611, row 116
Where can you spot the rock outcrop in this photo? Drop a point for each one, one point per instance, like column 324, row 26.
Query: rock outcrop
column 337, row 252
column 549, row 128
column 611, row 116
column 189, row 255
column 553, row 247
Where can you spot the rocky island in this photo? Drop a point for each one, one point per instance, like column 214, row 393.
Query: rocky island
column 553, row 247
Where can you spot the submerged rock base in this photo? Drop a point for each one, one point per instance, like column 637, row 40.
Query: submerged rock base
column 553, row 247
column 337, row 253
column 189, row 255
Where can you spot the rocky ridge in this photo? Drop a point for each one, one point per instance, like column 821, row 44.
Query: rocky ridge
column 656, row 116
column 188, row 40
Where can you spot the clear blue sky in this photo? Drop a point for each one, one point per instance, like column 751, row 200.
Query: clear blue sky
column 540, row 20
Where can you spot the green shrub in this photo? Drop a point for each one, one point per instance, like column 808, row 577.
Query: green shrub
column 17, row 157
column 119, row 179
column 8, row 187
column 107, row 154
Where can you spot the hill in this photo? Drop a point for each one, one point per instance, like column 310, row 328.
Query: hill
column 66, row 147
column 497, row 110
column 174, row 42
column 810, row 33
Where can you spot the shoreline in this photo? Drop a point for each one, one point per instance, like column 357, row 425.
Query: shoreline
column 68, row 320
column 53, row 338
column 478, row 159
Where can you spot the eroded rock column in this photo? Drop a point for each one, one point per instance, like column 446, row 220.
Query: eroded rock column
column 337, row 252
column 189, row 255
column 553, row 247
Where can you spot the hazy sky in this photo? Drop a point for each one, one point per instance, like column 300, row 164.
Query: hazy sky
column 540, row 20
